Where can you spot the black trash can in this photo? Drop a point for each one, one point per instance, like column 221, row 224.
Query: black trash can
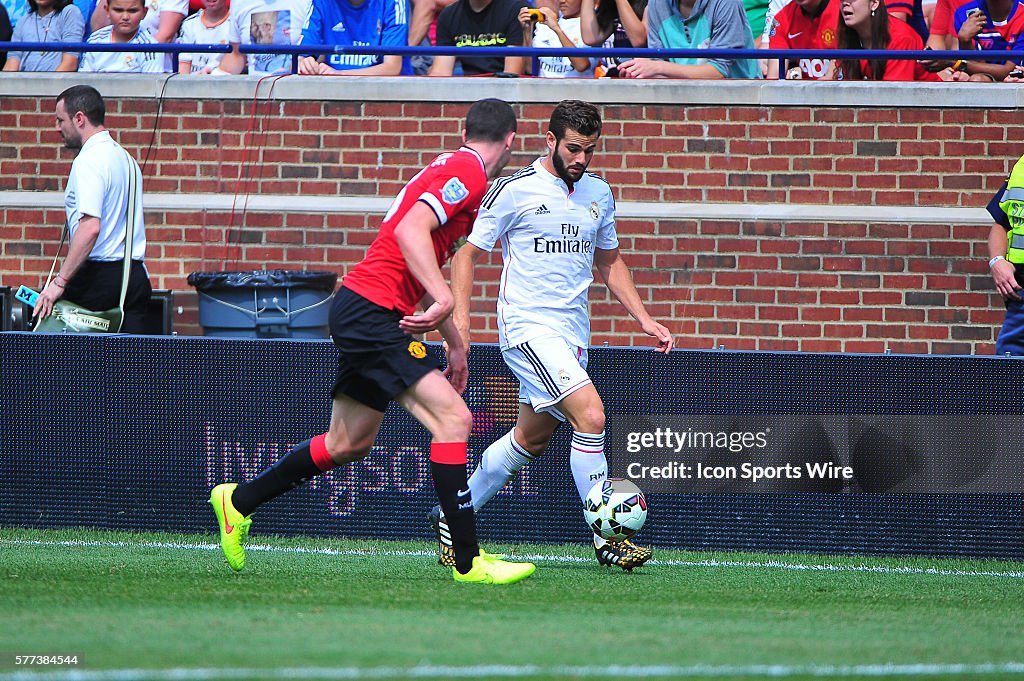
column 265, row 303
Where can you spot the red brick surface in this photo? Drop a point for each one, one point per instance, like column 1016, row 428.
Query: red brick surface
column 807, row 285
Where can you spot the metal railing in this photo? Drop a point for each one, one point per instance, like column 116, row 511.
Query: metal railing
column 297, row 51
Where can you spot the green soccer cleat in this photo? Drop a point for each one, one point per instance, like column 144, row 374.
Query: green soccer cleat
column 625, row 554
column 234, row 527
column 489, row 569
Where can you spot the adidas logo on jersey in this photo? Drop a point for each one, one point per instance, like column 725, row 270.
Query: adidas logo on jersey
column 543, row 210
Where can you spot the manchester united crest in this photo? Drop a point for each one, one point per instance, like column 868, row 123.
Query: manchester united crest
column 417, row 350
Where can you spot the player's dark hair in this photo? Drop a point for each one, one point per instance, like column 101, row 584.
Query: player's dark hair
column 572, row 114
column 85, row 99
column 490, row 120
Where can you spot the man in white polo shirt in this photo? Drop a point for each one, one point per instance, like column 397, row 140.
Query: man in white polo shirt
column 96, row 202
column 555, row 222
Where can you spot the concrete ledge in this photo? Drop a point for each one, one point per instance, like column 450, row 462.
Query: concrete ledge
column 625, row 209
column 524, row 90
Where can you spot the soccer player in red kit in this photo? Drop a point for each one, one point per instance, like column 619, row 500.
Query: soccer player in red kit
column 372, row 317
column 805, row 25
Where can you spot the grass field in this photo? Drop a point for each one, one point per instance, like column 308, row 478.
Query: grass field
column 161, row 606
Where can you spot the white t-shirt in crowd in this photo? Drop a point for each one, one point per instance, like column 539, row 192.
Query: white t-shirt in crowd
column 269, row 22
column 151, row 21
column 122, row 62
column 561, row 67
column 548, row 236
column 98, row 187
column 196, row 31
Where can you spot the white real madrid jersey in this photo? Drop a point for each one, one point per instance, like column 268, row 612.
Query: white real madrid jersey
column 548, row 236
column 122, row 62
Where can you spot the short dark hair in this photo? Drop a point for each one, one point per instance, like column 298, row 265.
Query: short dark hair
column 490, row 120
column 572, row 114
column 86, row 99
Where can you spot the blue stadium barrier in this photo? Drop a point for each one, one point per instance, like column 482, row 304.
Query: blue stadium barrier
column 131, row 433
column 535, row 52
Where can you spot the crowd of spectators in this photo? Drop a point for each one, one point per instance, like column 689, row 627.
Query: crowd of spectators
column 975, row 27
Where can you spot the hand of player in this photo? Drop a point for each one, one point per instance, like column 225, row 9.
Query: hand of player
column 934, row 65
column 550, row 16
column 640, row 68
column 972, row 26
column 457, row 370
column 1006, row 282
column 526, row 19
column 428, row 320
column 50, row 295
column 664, row 336
column 309, row 66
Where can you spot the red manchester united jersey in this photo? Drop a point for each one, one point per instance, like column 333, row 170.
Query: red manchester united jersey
column 452, row 186
column 902, row 37
column 793, row 29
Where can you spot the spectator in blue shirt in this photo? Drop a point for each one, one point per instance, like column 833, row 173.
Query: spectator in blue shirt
column 695, row 24
column 357, row 23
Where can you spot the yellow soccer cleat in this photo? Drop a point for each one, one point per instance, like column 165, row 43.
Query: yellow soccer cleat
column 234, row 527
column 489, row 569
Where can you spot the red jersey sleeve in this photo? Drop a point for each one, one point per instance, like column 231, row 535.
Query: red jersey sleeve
column 905, row 38
column 454, row 183
column 942, row 20
column 778, row 36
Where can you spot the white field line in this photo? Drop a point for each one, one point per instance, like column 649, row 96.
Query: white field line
column 522, row 671
column 707, row 563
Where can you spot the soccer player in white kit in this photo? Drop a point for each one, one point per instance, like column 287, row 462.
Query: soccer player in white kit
column 555, row 222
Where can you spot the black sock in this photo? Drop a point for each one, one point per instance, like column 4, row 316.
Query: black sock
column 449, row 481
column 292, row 470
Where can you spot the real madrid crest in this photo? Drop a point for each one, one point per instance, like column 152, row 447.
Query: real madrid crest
column 563, row 376
column 417, row 350
column 595, row 212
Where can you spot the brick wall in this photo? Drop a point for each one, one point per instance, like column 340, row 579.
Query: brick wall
column 824, row 285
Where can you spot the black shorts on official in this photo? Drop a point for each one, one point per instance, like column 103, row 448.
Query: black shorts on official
column 377, row 361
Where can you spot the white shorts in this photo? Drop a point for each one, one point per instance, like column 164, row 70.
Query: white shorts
column 548, row 369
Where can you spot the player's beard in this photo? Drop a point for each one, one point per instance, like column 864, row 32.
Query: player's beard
column 563, row 170
column 72, row 140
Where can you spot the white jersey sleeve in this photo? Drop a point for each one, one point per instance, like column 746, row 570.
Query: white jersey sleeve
column 607, row 237
column 497, row 213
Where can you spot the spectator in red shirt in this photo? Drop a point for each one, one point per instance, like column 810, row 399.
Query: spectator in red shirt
column 804, row 25
column 865, row 24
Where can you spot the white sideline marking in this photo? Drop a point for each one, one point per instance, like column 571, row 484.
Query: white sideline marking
column 776, row 671
column 712, row 563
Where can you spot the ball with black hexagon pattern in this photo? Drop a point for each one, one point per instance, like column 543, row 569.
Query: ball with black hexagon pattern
column 615, row 509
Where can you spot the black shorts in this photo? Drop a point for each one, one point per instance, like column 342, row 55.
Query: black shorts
column 97, row 286
column 377, row 361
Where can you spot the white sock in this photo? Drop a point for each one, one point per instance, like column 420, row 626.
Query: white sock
column 589, row 465
column 499, row 463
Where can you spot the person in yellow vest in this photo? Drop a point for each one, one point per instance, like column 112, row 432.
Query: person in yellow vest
column 1006, row 253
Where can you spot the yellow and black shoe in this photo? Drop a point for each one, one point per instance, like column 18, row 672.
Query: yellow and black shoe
column 624, row 554
column 445, row 550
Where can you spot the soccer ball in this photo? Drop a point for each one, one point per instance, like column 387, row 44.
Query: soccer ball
column 615, row 509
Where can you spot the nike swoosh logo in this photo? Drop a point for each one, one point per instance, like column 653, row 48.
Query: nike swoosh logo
column 463, row 493
column 794, row 35
column 228, row 527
